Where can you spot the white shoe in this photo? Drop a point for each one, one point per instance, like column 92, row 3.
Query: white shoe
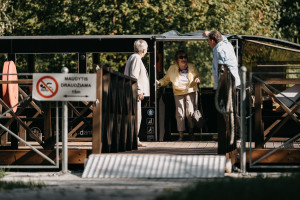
column 141, row 144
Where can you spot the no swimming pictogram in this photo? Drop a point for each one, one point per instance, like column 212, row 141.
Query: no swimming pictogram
column 64, row 87
column 47, row 86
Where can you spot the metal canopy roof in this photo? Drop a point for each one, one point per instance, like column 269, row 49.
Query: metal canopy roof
column 70, row 44
column 115, row 43
column 267, row 41
column 176, row 36
column 76, row 37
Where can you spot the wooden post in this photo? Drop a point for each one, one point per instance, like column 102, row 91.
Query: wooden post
column 135, row 131
column 3, row 139
column 97, row 115
column 258, row 130
column 48, row 135
column 22, row 134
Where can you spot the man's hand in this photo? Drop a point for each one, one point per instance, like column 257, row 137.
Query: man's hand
column 205, row 33
column 197, row 80
column 141, row 96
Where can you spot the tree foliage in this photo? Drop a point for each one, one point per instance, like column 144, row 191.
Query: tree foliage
column 115, row 17
column 42, row 17
column 5, row 20
column 289, row 22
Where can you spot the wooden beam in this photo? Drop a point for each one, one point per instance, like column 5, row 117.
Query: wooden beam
column 80, row 124
column 29, row 157
column 17, row 118
column 282, row 81
column 281, row 156
column 32, row 102
column 282, row 105
column 280, row 122
column 20, row 81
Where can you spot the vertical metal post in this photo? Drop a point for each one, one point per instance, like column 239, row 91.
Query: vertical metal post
column 243, row 120
column 31, row 63
column 57, row 135
column 64, row 131
column 155, row 93
column 82, row 62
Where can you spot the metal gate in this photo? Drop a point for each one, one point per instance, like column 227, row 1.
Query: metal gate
column 274, row 102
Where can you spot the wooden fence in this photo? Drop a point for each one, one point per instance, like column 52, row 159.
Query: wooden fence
column 114, row 118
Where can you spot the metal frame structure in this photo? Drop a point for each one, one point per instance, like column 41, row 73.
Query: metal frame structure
column 95, row 44
column 82, row 45
column 54, row 165
column 262, row 135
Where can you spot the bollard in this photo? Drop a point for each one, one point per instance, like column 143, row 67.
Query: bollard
column 64, row 131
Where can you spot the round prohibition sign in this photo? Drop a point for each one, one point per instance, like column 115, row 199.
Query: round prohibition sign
column 47, row 87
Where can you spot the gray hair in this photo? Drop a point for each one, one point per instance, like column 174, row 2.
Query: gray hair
column 140, row 45
column 215, row 36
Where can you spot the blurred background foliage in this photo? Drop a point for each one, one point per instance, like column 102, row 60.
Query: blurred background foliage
column 271, row 18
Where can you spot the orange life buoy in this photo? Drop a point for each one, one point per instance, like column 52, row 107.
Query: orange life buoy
column 10, row 92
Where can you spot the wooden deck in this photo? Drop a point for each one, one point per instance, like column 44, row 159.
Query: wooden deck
column 178, row 148
column 78, row 151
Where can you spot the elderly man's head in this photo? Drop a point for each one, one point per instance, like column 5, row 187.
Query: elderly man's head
column 214, row 37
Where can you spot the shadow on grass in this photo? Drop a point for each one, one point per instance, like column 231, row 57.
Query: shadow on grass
column 239, row 188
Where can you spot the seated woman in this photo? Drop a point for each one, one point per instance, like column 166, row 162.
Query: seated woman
column 184, row 77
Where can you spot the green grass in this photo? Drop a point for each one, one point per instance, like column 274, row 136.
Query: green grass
column 239, row 188
column 2, row 173
column 8, row 185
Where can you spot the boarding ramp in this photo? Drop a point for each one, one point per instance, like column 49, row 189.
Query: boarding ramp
column 154, row 166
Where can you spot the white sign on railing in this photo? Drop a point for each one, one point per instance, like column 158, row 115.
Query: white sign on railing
column 64, row 87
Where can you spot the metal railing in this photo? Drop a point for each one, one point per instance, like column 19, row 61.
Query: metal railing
column 263, row 135
column 114, row 127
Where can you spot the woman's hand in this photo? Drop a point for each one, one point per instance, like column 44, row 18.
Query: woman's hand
column 157, row 83
column 197, row 80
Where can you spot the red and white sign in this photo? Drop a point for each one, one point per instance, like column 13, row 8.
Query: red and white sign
column 47, row 87
column 64, row 87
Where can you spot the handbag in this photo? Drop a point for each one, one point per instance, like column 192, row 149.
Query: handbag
column 197, row 117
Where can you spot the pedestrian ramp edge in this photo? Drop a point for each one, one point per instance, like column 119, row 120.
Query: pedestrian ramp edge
column 154, row 166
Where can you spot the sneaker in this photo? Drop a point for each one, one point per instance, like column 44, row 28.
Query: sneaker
column 141, row 144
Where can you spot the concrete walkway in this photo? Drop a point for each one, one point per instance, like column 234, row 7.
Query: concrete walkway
column 72, row 186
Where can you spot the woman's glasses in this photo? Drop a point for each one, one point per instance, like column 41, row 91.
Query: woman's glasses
column 182, row 57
